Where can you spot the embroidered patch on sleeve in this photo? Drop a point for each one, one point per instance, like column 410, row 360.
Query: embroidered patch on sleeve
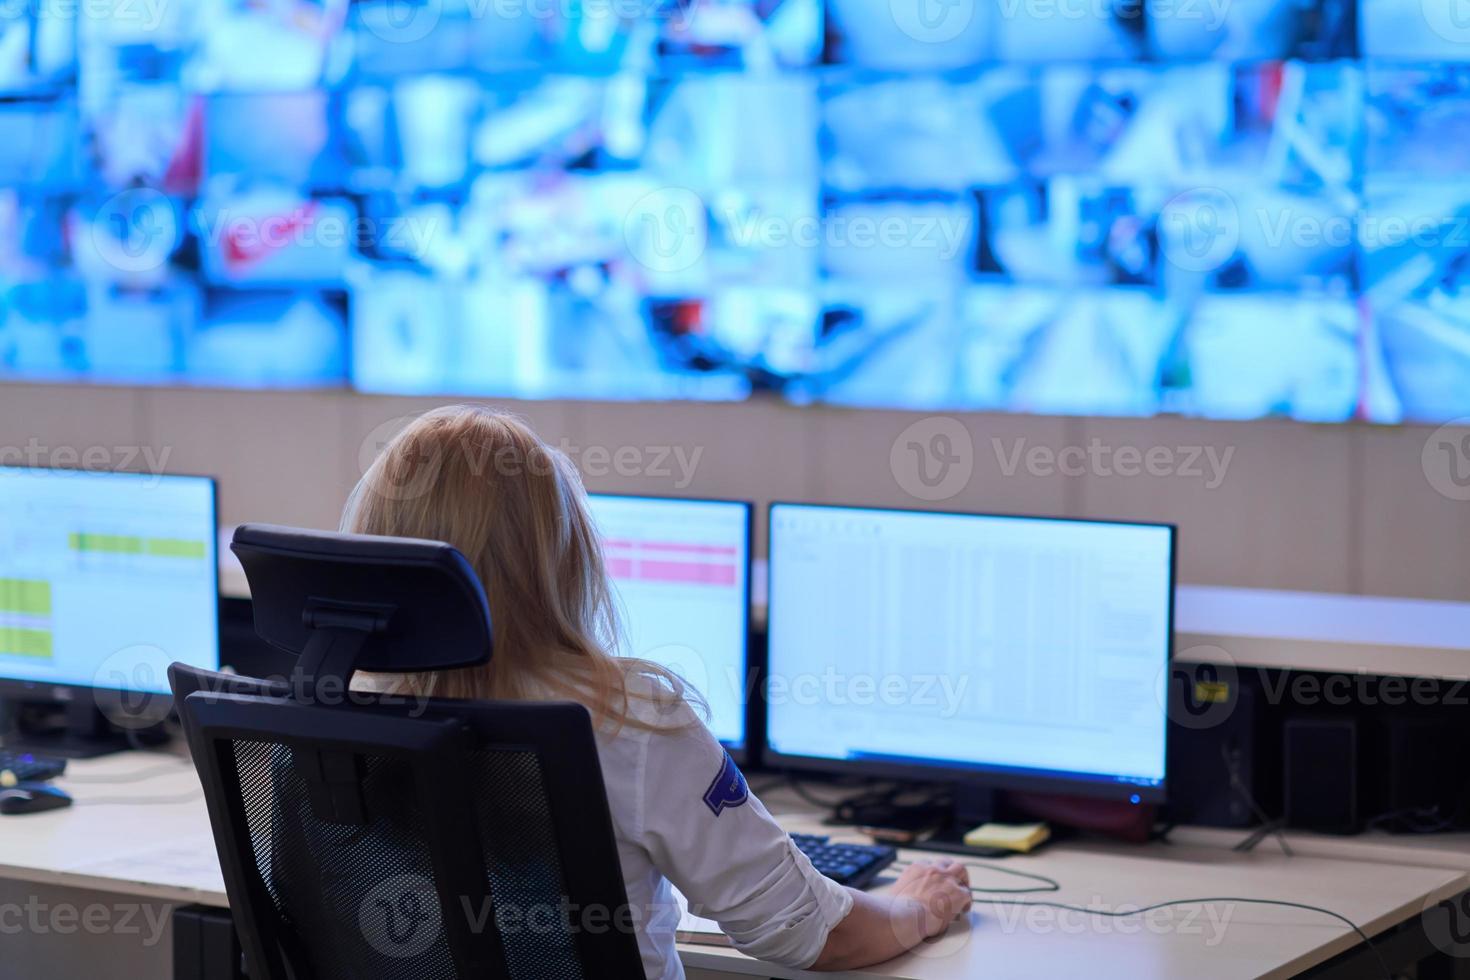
column 728, row 790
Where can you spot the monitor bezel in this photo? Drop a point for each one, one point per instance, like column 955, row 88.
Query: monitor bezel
column 61, row 692
column 991, row 777
column 743, row 752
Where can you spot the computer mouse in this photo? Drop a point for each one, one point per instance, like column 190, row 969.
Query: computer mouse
column 32, row 798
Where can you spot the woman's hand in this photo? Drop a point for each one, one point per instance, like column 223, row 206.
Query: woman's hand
column 940, row 889
column 927, row 897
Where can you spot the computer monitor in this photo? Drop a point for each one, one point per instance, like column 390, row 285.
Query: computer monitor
column 105, row 579
column 1008, row 652
column 681, row 572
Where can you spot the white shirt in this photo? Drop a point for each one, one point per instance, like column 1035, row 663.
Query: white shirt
column 682, row 813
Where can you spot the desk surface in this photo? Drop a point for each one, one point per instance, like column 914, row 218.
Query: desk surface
column 140, row 828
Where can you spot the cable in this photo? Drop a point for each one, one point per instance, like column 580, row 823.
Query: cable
column 1051, row 884
column 1367, row 940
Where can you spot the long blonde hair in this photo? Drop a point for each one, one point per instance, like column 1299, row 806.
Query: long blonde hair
column 482, row 481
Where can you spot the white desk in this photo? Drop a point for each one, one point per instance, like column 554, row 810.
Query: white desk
column 149, row 838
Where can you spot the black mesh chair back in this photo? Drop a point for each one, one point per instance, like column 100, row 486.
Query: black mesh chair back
column 378, row 836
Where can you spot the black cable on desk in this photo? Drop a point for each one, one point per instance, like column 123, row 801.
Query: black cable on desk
column 1049, row 884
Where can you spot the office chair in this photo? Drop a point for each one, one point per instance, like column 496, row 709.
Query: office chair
column 383, row 837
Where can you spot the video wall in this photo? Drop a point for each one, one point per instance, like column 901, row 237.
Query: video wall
column 1222, row 209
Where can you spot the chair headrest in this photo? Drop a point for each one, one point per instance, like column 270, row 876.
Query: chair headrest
column 420, row 602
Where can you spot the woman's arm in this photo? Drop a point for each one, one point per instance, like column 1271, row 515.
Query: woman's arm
column 925, row 900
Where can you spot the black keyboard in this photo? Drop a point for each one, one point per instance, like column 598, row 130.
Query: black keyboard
column 22, row 767
column 854, row 865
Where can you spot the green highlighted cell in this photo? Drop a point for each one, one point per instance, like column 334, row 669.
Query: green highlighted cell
column 27, row 596
column 23, row 642
column 112, row 544
column 174, row 548
column 128, row 544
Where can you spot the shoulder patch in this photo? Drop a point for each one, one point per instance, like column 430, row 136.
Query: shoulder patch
column 728, row 790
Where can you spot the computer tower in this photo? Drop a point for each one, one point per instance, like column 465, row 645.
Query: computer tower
column 1322, row 787
column 1213, row 746
column 1419, row 773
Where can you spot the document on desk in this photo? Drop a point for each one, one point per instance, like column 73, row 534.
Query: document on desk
column 187, row 863
column 697, row 930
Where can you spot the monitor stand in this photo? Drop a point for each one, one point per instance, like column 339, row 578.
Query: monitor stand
column 973, row 806
column 87, row 735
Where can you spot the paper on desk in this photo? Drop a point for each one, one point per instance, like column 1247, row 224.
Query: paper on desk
column 697, row 930
column 188, row 863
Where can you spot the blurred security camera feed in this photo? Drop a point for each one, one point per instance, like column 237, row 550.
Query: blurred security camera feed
column 1218, row 208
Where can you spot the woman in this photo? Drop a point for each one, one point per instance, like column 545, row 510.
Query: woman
column 483, row 482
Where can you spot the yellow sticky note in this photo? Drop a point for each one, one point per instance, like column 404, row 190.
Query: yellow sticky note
column 1020, row 837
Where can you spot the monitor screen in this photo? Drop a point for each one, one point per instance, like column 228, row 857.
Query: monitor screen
column 1029, row 653
column 106, row 578
column 681, row 571
column 1225, row 210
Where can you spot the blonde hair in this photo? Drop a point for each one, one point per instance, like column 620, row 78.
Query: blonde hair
column 482, row 481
